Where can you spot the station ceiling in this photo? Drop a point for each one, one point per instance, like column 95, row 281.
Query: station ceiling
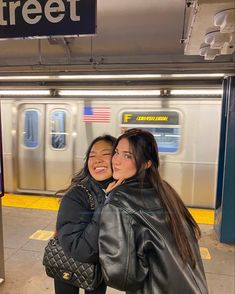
column 132, row 36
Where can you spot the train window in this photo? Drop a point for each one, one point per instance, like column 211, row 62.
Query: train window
column 58, row 135
column 164, row 125
column 167, row 138
column 31, row 129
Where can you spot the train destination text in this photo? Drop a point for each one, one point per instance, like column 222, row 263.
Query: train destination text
column 151, row 117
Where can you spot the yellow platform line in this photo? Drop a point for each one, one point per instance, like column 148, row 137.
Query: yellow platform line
column 36, row 202
column 202, row 216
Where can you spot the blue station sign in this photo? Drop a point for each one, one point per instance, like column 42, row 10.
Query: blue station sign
column 38, row 18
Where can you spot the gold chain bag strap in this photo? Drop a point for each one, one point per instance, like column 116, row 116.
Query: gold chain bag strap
column 62, row 267
column 90, row 197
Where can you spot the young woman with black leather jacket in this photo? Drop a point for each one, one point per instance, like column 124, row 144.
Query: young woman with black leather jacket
column 148, row 239
column 77, row 225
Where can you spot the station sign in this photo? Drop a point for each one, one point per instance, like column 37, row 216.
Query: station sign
column 150, row 117
column 38, row 18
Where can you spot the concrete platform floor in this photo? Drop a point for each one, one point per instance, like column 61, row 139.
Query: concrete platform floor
column 24, row 273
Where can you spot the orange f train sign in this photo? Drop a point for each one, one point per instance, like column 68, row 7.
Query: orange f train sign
column 37, row 18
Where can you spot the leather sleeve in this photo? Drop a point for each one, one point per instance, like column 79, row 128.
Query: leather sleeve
column 121, row 256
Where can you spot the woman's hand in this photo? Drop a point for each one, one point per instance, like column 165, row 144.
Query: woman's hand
column 113, row 185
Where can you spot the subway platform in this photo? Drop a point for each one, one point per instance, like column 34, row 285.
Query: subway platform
column 29, row 221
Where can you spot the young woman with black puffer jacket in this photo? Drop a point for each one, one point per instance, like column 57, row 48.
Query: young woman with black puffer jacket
column 77, row 225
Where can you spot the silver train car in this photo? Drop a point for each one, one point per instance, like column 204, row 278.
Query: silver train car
column 45, row 140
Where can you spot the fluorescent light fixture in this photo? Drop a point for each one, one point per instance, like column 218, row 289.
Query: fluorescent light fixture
column 109, row 92
column 114, row 93
column 109, row 77
column 79, row 77
column 197, row 92
column 25, row 78
column 104, row 77
column 209, row 75
column 25, row 92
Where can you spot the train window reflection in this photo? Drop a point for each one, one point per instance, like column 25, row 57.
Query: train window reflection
column 168, row 139
column 31, row 129
column 58, row 135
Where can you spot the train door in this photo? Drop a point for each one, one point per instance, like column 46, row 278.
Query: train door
column 45, row 147
column 58, row 147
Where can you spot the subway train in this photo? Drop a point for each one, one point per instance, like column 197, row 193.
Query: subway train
column 45, row 140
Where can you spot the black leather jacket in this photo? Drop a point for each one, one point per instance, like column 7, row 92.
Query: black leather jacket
column 137, row 250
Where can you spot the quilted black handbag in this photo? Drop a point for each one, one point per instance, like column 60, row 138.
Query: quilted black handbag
column 60, row 266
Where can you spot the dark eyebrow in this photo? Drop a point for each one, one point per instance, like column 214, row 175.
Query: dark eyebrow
column 128, row 152
column 125, row 152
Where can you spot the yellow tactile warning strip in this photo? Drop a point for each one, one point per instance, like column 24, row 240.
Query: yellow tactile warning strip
column 37, row 202
column 205, row 254
column 42, row 235
column 202, row 216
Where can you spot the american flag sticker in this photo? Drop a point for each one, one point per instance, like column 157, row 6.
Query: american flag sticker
column 96, row 114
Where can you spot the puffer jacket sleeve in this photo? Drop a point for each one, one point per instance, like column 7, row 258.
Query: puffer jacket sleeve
column 122, row 258
column 78, row 226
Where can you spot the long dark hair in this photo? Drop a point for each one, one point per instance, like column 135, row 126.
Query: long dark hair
column 83, row 175
column 144, row 149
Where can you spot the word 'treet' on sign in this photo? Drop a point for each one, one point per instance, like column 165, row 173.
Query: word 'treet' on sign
column 34, row 18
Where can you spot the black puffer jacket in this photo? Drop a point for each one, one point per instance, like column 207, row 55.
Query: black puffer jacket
column 77, row 225
column 137, row 251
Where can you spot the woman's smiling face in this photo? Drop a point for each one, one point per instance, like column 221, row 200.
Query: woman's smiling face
column 99, row 161
column 123, row 161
